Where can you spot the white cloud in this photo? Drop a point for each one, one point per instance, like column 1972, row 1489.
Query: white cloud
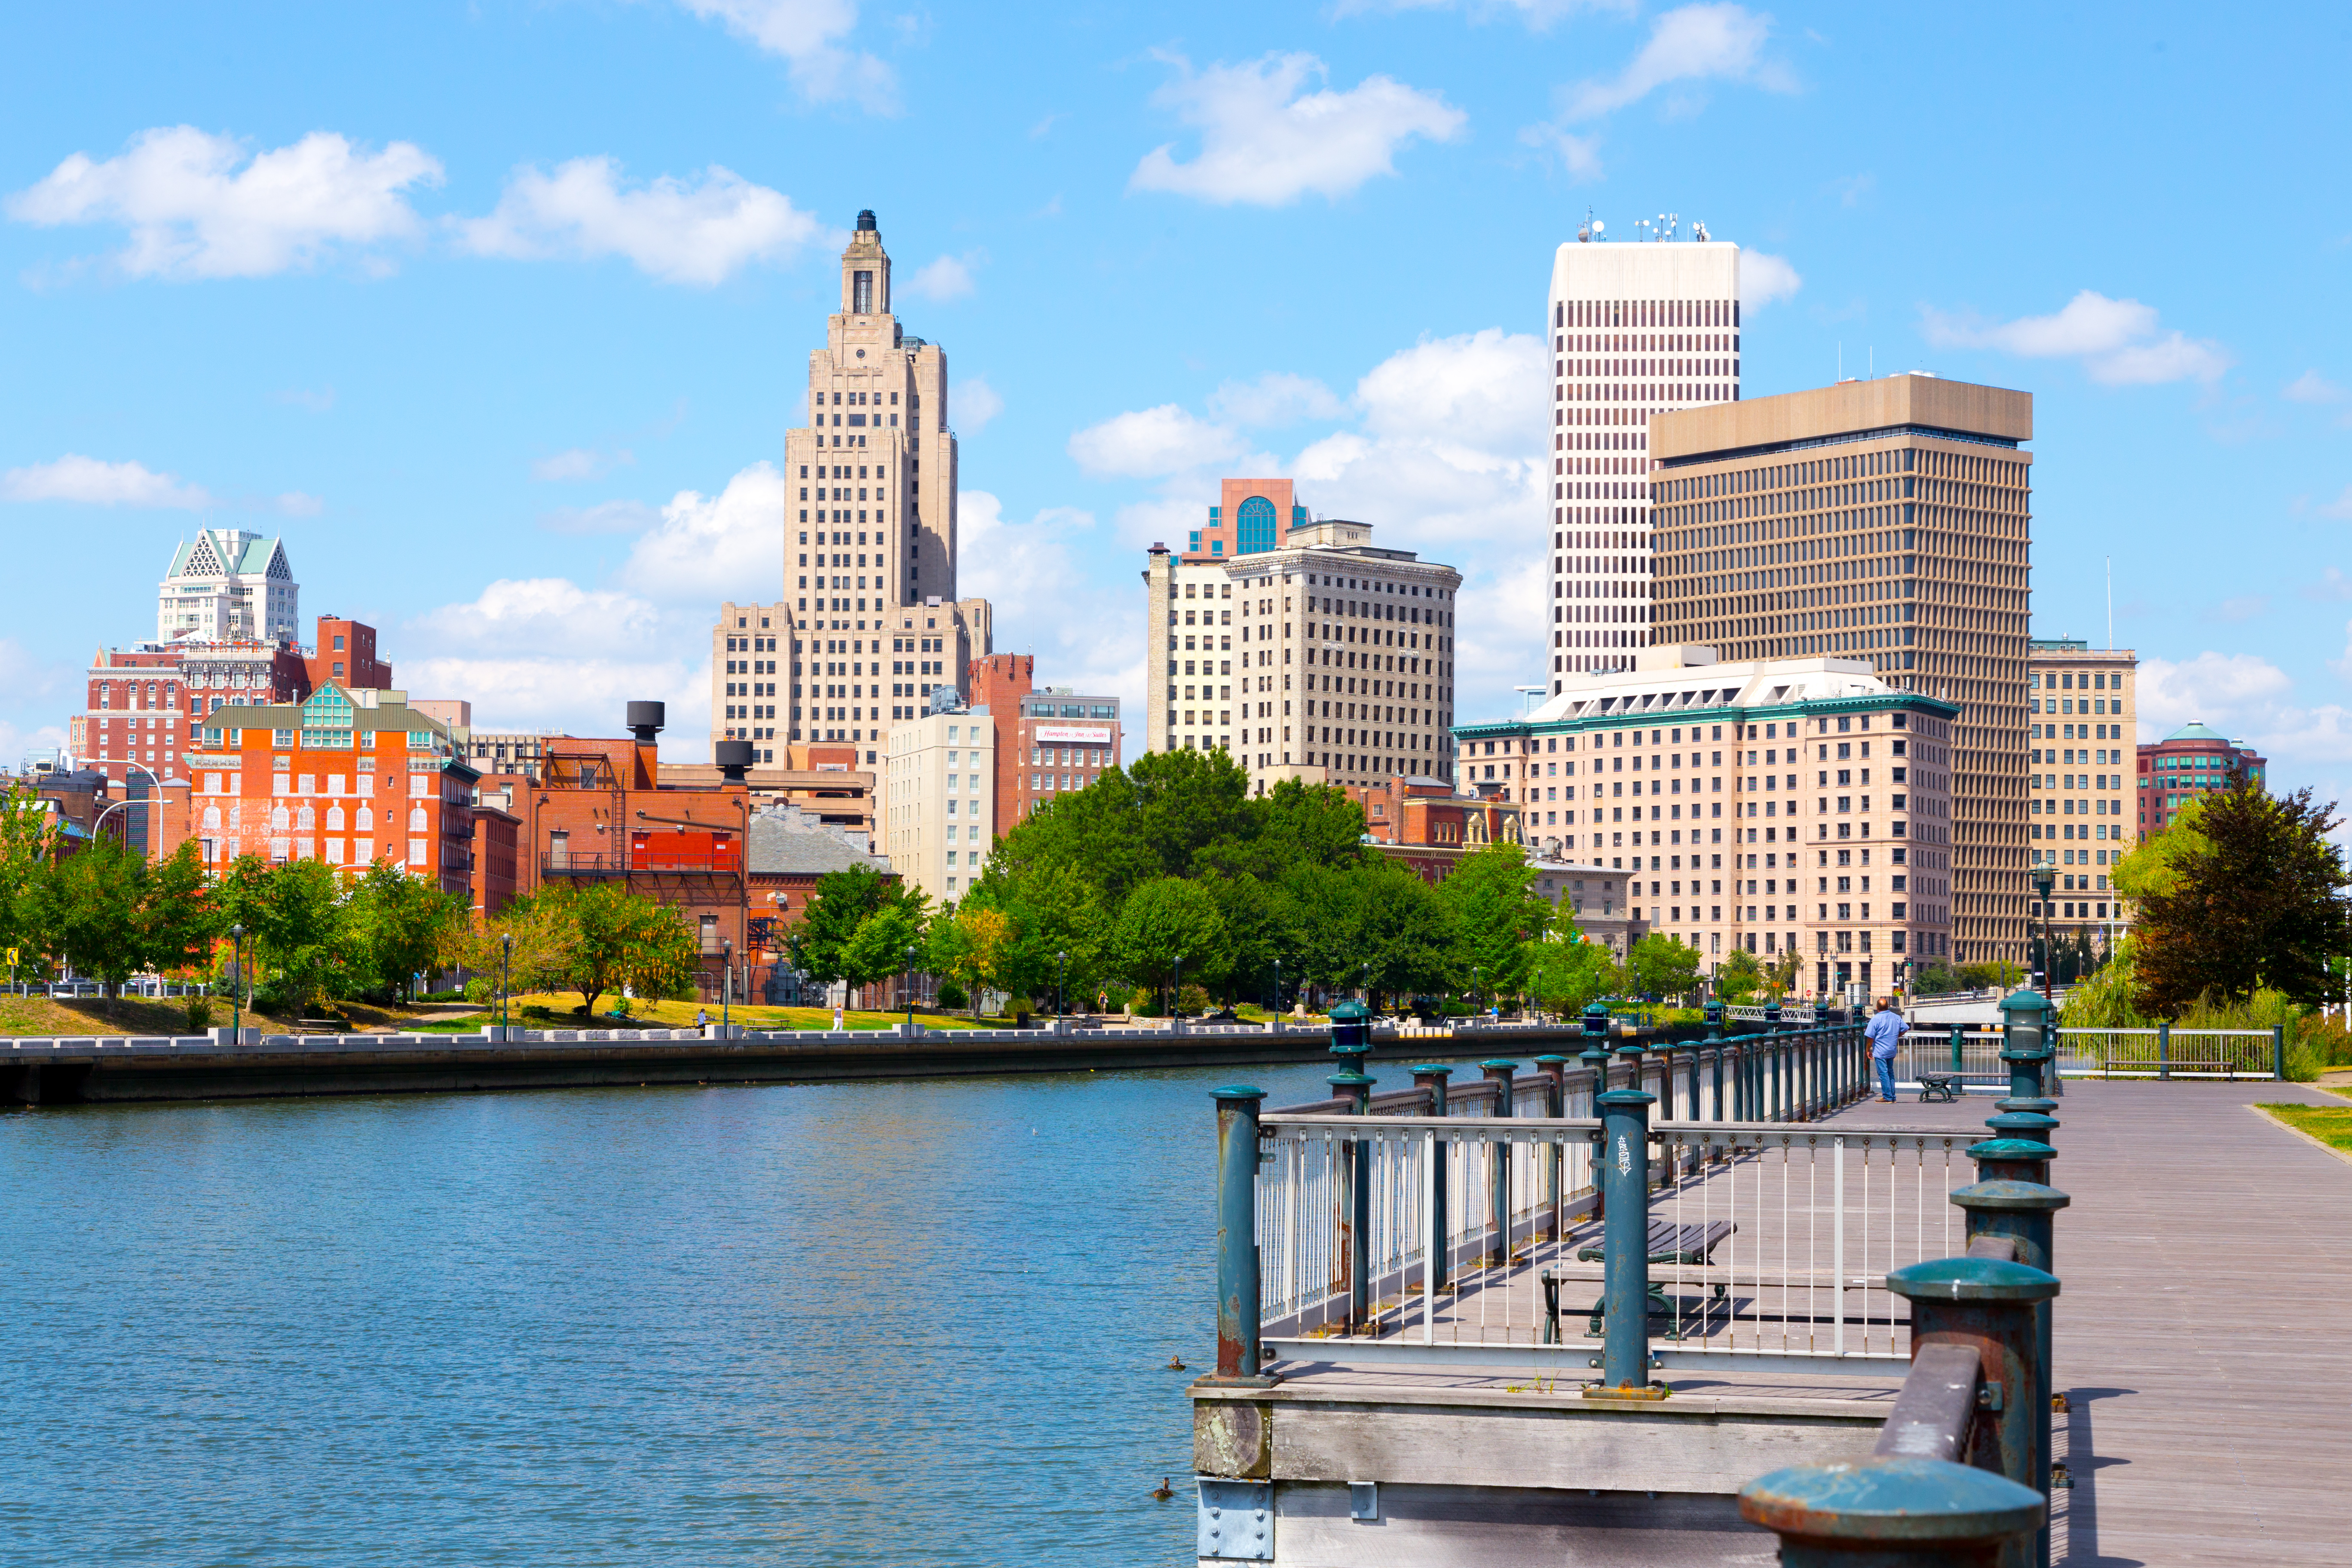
column 29, row 680
column 2312, row 387
column 1539, row 14
column 948, row 278
column 803, row 33
column 294, row 503
column 193, row 212
column 580, row 463
column 1764, row 279
column 604, row 517
column 1032, row 574
column 1580, row 155
column 710, row 548
column 2243, row 607
column 2118, row 342
column 1276, row 398
column 18, row 745
column 1153, row 442
column 2250, row 700
column 2331, row 583
column 540, row 615
column 1266, row 141
column 74, row 478
column 701, row 232
column 2340, row 507
column 1719, row 42
column 972, row 404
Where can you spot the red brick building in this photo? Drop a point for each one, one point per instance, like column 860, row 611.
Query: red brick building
column 2193, row 761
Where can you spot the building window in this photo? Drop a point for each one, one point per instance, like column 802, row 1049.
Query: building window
column 1256, row 519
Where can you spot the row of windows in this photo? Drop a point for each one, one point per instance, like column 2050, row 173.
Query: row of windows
column 1607, row 314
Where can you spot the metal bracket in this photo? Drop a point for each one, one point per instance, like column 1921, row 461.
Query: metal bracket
column 1237, row 1520
column 1989, row 1396
column 1364, row 1500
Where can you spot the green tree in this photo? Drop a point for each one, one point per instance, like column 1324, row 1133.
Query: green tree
column 877, row 950
column 1662, row 965
column 29, row 841
column 403, row 925
column 1498, row 913
column 1567, row 973
column 2254, row 900
column 1401, row 933
column 89, row 912
column 841, row 902
column 594, row 938
column 1738, row 977
column 298, row 928
column 178, row 918
column 1163, row 918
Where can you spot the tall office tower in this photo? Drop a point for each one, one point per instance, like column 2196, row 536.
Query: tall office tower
column 870, row 522
column 1335, row 658
column 1888, row 520
column 745, row 656
column 1636, row 329
column 2083, row 820
column 228, row 586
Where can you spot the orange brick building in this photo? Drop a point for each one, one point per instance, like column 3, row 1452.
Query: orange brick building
column 346, row 777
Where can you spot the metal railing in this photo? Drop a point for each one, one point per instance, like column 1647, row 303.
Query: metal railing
column 2168, row 1051
column 1757, row 1012
column 1474, row 1234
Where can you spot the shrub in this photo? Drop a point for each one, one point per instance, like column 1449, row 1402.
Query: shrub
column 479, row 990
column 1192, row 999
column 952, row 995
column 199, row 1010
column 1145, row 1002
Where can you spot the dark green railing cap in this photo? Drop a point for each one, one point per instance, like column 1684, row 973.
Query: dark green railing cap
column 1969, row 1279
column 1892, row 1500
column 1432, row 1066
column 1350, row 1010
column 1237, row 1091
column 1350, row 1080
column 1548, row 1057
column 2009, row 1149
column 2009, row 1195
column 1499, row 1062
column 1625, row 1096
column 2020, row 1123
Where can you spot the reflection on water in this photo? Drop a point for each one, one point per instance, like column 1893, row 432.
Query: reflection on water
column 871, row 1324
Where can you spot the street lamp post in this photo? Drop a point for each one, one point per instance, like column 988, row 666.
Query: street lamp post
column 909, row 983
column 726, row 982
column 506, row 959
column 236, row 986
column 2044, row 879
column 1061, row 985
column 1277, row 991
column 1176, row 996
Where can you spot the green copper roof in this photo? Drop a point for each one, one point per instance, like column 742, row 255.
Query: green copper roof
column 2196, row 731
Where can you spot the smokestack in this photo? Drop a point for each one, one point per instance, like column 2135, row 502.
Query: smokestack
column 645, row 721
column 734, row 759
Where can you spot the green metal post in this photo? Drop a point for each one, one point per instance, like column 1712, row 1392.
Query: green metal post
column 1438, row 1274
column 1498, row 1161
column 1960, row 1035
column 1625, row 1244
column 1238, row 1351
column 1351, row 1041
column 1595, row 1058
column 2024, row 1212
column 2164, row 1047
column 1554, row 1069
column 1891, row 1512
column 1988, row 1306
column 2278, row 1052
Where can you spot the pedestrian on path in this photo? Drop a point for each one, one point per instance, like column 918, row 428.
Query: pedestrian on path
column 1886, row 1028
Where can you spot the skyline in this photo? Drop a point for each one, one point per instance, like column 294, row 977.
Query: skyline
column 449, row 342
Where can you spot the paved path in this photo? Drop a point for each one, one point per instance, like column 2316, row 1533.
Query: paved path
column 2208, row 1261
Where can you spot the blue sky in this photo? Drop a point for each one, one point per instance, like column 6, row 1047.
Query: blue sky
column 497, row 311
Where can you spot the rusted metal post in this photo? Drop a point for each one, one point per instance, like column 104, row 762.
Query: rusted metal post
column 2023, row 1213
column 1437, row 1275
column 1626, row 1240
column 1989, row 1304
column 1890, row 1512
column 1498, row 1160
column 2025, row 1049
column 1238, row 1354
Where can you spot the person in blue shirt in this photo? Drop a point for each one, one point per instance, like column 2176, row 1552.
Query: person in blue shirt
column 1886, row 1029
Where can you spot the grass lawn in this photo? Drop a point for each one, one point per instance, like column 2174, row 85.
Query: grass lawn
column 2331, row 1125
column 680, row 1016
column 36, row 1017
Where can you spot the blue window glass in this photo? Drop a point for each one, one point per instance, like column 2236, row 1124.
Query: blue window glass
column 1255, row 518
column 1216, row 547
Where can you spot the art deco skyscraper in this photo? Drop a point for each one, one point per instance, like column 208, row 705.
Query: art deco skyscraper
column 1636, row 327
column 870, row 520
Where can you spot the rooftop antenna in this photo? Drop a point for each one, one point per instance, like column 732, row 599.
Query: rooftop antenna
column 2111, row 604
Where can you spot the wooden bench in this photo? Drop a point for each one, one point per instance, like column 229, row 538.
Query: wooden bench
column 320, row 1026
column 1689, row 1245
column 1939, row 1088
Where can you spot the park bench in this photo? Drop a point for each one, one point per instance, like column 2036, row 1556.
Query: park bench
column 320, row 1026
column 1688, row 1244
column 1941, row 1087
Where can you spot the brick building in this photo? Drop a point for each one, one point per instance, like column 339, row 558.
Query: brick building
column 346, row 777
column 2193, row 761
column 1048, row 742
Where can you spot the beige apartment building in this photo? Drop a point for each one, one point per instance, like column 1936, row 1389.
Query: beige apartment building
column 869, row 528
column 939, row 787
column 1888, row 524
column 1322, row 658
column 2084, row 807
column 1784, row 805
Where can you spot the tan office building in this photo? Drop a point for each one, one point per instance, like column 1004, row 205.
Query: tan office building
column 1889, row 523
column 2083, row 809
column 1333, row 657
column 938, row 788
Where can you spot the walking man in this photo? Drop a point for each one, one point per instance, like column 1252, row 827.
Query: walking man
column 1886, row 1028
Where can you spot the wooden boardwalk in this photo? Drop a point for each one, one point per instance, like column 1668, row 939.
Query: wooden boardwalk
column 2207, row 1261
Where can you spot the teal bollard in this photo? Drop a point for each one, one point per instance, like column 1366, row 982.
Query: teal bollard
column 1498, row 1161
column 1625, row 1245
column 1886, row 1512
column 2024, row 1212
column 1239, row 1355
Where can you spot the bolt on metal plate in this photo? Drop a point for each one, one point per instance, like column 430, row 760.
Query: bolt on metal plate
column 1237, row 1520
column 1364, row 1500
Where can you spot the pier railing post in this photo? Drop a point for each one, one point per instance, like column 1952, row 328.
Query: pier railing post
column 1595, row 1058
column 1554, row 1068
column 1351, row 1041
column 1498, row 1160
column 1959, row 1040
column 1436, row 1274
column 1625, row 1241
column 1239, row 1358
column 2278, row 1052
column 1988, row 1305
column 1892, row 1513
column 2024, row 1212
column 2164, row 1047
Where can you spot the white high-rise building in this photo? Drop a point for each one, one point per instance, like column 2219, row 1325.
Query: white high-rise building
column 228, row 586
column 1637, row 326
column 870, row 522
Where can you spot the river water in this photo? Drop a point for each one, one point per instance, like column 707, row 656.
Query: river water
column 856, row 1324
